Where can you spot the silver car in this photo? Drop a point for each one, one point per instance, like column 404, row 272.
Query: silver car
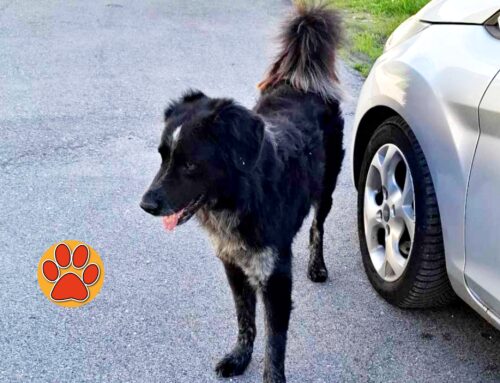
column 426, row 160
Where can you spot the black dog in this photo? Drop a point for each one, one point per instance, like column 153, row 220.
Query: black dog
column 251, row 176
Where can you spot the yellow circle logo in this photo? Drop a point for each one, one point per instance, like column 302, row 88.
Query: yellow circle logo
column 70, row 273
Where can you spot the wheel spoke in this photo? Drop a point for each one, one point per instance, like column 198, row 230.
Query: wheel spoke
column 393, row 257
column 408, row 189
column 397, row 226
column 371, row 209
column 409, row 220
column 384, row 269
column 404, row 205
column 384, row 163
column 396, row 198
column 378, row 258
column 378, row 163
column 390, row 160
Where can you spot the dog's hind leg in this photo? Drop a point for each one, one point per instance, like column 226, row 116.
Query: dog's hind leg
column 277, row 298
column 317, row 271
column 235, row 362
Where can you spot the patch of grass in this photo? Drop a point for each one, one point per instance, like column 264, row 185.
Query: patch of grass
column 383, row 7
column 368, row 25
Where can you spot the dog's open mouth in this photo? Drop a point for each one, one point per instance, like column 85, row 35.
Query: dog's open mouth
column 170, row 222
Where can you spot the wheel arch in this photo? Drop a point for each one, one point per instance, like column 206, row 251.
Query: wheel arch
column 370, row 121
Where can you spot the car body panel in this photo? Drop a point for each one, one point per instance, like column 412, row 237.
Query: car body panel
column 482, row 269
column 459, row 11
column 436, row 84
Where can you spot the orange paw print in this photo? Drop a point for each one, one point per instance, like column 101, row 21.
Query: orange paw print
column 70, row 274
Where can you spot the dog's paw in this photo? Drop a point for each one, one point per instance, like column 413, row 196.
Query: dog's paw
column 273, row 377
column 317, row 274
column 233, row 364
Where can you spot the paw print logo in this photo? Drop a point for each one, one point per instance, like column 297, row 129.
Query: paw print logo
column 70, row 273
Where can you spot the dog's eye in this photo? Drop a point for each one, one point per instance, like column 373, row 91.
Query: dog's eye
column 190, row 167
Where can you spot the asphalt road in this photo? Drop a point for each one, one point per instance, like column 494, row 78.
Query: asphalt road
column 82, row 88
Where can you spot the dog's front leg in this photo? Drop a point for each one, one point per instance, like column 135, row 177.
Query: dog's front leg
column 235, row 362
column 277, row 297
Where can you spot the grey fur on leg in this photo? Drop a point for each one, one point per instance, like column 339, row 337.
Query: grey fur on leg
column 235, row 362
column 316, row 270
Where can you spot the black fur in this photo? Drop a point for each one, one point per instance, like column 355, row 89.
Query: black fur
column 245, row 300
column 251, row 177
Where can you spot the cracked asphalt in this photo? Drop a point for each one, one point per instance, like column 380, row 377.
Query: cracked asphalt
column 82, row 88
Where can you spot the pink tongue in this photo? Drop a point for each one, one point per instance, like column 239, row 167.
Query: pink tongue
column 170, row 221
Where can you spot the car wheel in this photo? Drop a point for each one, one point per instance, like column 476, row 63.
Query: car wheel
column 398, row 221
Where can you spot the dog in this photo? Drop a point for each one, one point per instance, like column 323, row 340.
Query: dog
column 251, row 176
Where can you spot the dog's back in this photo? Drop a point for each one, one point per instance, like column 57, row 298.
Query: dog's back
column 300, row 102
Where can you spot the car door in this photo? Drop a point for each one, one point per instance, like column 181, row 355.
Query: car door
column 482, row 214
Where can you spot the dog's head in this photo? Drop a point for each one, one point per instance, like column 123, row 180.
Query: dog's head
column 207, row 143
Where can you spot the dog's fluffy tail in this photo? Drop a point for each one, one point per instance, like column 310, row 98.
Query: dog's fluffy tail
column 309, row 42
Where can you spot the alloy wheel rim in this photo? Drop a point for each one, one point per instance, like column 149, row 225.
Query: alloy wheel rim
column 389, row 212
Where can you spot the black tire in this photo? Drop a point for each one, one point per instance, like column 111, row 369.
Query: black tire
column 424, row 283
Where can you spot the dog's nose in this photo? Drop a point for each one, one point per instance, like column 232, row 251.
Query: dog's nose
column 149, row 206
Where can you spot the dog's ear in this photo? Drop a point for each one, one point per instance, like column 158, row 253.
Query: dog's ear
column 169, row 110
column 240, row 132
column 190, row 95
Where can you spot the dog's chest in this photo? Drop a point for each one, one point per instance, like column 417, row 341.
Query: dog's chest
column 257, row 265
